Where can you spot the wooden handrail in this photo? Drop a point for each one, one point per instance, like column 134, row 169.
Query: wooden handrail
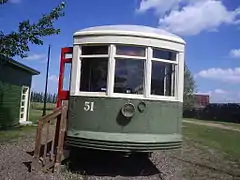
column 52, row 115
column 59, row 115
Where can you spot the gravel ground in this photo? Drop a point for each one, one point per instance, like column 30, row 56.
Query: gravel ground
column 193, row 161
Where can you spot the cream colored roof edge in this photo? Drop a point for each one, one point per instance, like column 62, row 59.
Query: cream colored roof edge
column 130, row 30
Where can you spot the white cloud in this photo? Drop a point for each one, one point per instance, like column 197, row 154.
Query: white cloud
column 35, row 57
column 160, row 6
column 38, row 83
column 190, row 17
column 226, row 75
column 53, row 78
column 228, row 97
column 235, row 53
column 220, row 91
column 223, row 96
column 216, row 91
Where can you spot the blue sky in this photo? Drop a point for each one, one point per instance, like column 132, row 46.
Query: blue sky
column 211, row 29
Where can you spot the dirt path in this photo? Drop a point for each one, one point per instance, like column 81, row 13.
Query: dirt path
column 192, row 162
column 222, row 126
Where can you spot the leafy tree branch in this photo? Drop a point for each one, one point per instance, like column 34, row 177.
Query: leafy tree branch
column 16, row 43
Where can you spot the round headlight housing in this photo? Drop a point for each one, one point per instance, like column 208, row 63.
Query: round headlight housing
column 128, row 110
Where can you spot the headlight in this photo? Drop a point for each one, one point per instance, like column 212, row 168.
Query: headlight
column 128, row 110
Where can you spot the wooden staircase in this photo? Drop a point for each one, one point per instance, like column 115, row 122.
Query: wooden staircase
column 49, row 142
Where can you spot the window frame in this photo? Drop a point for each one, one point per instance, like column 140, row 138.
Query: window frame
column 164, row 49
column 148, row 59
column 134, row 58
column 173, row 83
column 81, row 57
column 144, row 74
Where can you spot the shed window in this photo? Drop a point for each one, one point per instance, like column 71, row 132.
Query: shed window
column 130, row 50
column 129, row 75
column 162, row 82
column 94, row 74
column 94, row 50
column 164, row 54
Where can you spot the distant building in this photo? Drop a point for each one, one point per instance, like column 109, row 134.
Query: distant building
column 201, row 100
column 15, row 85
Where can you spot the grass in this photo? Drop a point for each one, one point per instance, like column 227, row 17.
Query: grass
column 16, row 132
column 226, row 141
column 36, row 110
column 34, row 114
column 229, row 124
column 39, row 106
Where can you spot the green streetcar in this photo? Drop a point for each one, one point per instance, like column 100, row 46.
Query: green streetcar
column 124, row 84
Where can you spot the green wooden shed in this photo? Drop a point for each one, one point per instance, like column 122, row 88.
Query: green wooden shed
column 15, row 86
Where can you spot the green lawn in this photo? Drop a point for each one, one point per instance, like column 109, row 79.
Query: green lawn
column 34, row 114
column 39, row 106
column 234, row 125
column 36, row 110
column 16, row 132
column 226, row 141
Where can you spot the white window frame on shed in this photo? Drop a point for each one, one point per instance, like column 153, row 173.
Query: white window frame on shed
column 25, row 106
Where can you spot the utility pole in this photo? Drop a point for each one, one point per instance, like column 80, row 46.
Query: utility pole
column 46, row 83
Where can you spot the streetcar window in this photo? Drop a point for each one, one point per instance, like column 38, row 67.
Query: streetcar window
column 94, row 74
column 67, row 55
column 93, row 50
column 164, row 54
column 130, row 50
column 66, row 76
column 129, row 76
column 162, row 82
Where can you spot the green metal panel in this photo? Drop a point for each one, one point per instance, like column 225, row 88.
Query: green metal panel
column 159, row 123
column 10, row 97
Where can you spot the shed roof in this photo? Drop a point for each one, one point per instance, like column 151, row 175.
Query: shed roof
column 19, row 65
column 130, row 30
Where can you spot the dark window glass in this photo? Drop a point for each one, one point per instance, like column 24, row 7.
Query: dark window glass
column 162, row 78
column 94, row 74
column 129, row 75
column 93, row 50
column 164, row 54
column 130, row 50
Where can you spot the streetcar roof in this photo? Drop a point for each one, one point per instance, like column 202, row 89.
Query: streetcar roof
column 130, row 30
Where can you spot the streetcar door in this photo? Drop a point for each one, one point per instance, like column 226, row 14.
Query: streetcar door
column 64, row 75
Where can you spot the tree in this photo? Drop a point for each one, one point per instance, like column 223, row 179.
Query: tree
column 16, row 43
column 189, row 89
